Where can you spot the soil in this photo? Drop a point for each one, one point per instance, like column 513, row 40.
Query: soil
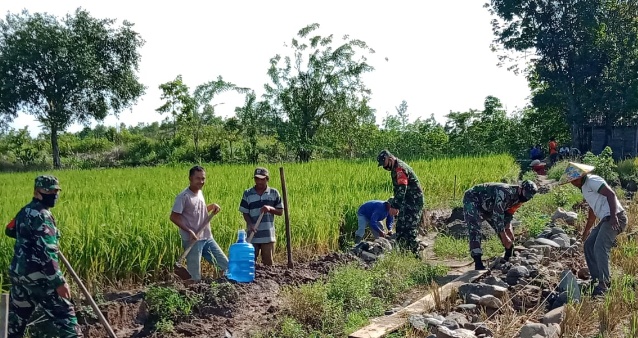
column 236, row 310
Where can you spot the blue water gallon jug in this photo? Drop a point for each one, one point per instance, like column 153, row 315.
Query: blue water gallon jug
column 241, row 260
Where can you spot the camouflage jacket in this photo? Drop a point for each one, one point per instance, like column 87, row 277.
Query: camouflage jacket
column 498, row 200
column 35, row 259
column 407, row 189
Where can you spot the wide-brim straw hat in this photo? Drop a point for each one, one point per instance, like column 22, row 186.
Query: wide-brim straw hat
column 575, row 171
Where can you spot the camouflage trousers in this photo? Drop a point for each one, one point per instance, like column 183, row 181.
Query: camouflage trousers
column 407, row 227
column 473, row 214
column 23, row 299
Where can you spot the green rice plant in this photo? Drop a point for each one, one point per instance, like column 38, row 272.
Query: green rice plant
column 115, row 226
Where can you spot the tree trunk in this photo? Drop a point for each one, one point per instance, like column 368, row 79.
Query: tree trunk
column 55, row 148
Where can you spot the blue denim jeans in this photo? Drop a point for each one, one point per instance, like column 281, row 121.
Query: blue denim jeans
column 363, row 222
column 210, row 250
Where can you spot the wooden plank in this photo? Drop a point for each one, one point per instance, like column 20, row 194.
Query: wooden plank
column 384, row 325
column 4, row 315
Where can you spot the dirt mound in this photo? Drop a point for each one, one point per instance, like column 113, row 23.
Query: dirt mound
column 226, row 307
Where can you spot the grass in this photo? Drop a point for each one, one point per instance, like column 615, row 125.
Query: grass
column 115, row 226
column 450, row 247
column 349, row 296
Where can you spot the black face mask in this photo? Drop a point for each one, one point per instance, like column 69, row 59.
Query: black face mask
column 522, row 198
column 388, row 167
column 49, row 199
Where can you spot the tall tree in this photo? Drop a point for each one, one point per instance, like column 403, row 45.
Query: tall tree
column 253, row 117
column 67, row 71
column 179, row 102
column 402, row 114
column 309, row 95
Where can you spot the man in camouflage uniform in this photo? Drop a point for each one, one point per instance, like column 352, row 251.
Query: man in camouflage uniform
column 36, row 278
column 496, row 203
column 408, row 199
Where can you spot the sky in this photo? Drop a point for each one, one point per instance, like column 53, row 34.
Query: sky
column 439, row 57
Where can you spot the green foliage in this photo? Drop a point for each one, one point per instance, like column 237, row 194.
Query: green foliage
column 557, row 170
column 73, row 70
column 350, row 295
column 605, row 165
column 167, row 305
column 450, row 247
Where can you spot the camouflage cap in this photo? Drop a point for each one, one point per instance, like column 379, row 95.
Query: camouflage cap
column 261, row 173
column 391, row 200
column 382, row 156
column 47, row 182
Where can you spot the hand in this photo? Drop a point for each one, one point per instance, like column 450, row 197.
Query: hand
column 382, row 234
column 64, row 291
column 267, row 208
column 215, row 208
column 389, row 233
column 506, row 240
column 193, row 235
column 613, row 221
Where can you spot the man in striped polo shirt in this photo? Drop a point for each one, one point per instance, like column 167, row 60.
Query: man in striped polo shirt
column 258, row 199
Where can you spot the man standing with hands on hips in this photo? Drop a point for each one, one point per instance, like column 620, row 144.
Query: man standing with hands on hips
column 604, row 205
column 262, row 198
column 189, row 211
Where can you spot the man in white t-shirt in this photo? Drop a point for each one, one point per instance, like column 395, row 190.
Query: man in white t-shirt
column 604, row 205
column 189, row 211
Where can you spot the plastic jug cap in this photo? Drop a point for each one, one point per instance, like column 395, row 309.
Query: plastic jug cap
column 241, row 235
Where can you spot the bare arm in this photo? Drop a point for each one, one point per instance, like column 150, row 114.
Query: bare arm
column 247, row 219
column 611, row 198
column 591, row 218
column 179, row 221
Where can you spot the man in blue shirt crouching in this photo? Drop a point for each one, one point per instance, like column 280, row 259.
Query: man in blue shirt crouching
column 372, row 213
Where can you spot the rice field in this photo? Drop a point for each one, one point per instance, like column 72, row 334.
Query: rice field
column 114, row 223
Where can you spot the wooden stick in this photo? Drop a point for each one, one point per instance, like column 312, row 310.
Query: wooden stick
column 201, row 229
column 86, row 293
column 286, row 218
column 250, row 238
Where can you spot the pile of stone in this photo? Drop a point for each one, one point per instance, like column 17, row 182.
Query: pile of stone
column 533, row 275
column 371, row 251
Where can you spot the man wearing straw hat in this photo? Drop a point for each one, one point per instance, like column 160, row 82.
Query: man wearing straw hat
column 604, row 205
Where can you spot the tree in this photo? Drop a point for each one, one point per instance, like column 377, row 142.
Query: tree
column 311, row 95
column 179, row 102
column 585, row 52
column 253, row 119
column 67, row 71
column 402, row 114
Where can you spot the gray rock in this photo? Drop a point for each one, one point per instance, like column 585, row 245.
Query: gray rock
column 531, row 329
column 547, row 233
column 384, row 243
column 481, row 289
column 491, row 280
column 433, row 321
column 467, row 307
column 556, row 231
column 562, row 240
column 569, row 283
column 529, row 243
column 560, row 300
column 515, row 274
column 368, row 257
column 392, row 310
column 554, row 316
column 545, row 241
column 418, row 322
column 459, row 318
column 490, row 302
column 544, row 250
column 572, row 241
column 479, row 329
column 450, row 324
column 444, row 332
